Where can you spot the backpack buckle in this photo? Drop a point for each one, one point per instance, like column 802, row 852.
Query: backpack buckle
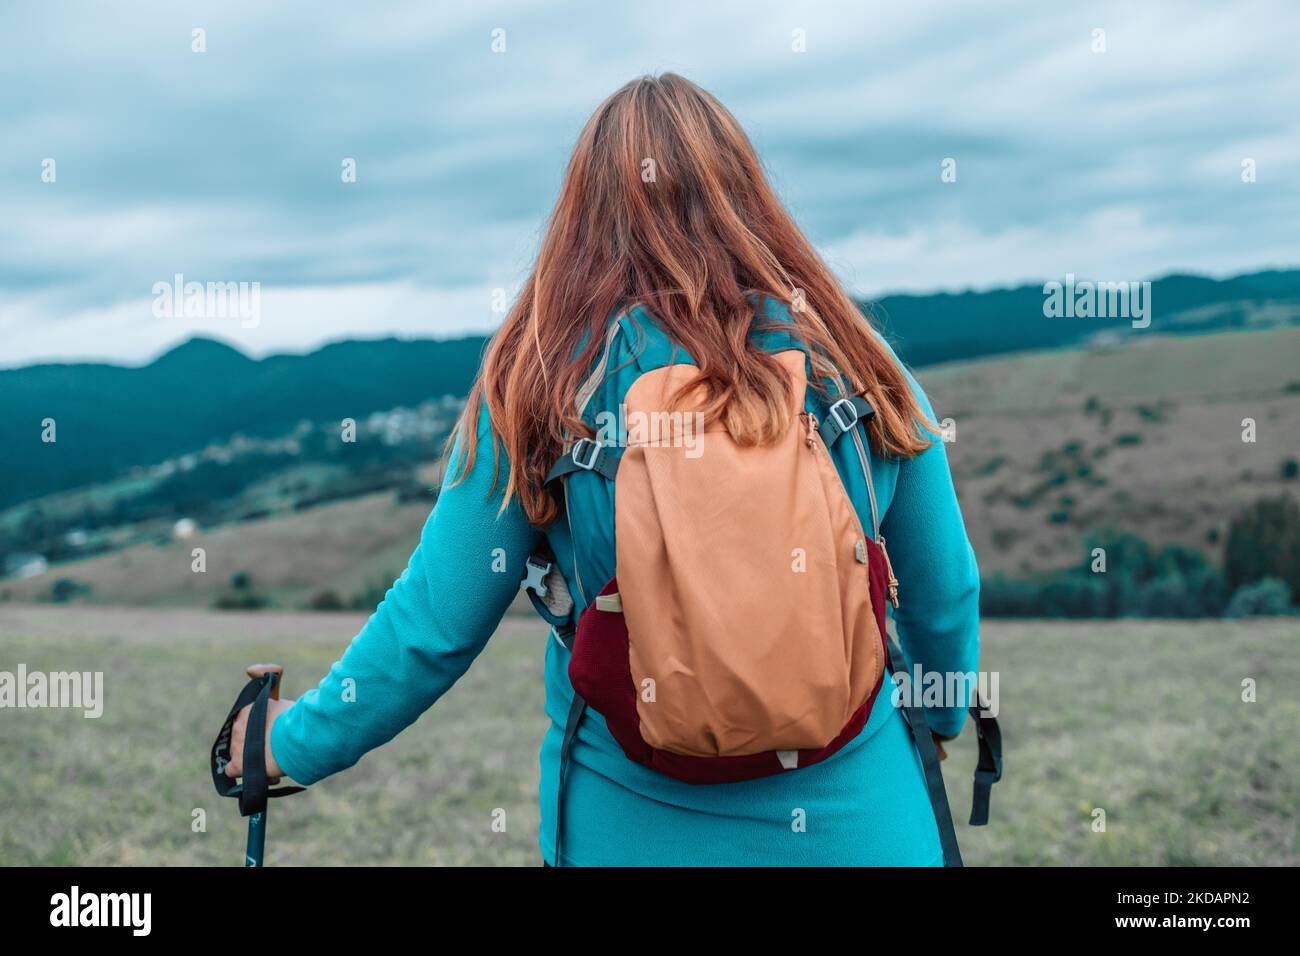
column 589, row 462
column 844, row 413
column 536, row 569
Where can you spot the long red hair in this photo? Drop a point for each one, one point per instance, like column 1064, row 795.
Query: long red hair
column 665, row 204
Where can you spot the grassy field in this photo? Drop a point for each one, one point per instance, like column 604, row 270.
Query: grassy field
column 1141, row 719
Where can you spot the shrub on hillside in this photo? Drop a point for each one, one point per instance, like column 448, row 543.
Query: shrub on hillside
column 373, row 593
column 327, row 600
column 1267, row 596
column 1001, row 596
column 1136, row 582
column 66, row 589
column 1264, row 541
column 241, row 595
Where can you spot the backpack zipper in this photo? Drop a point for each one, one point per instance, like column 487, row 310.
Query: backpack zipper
column 893, row 581
column 875, row 519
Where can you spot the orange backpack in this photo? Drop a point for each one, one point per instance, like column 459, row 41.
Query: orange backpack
column 743, row 632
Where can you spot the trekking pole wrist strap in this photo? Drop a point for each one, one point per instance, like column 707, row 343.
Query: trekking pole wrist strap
column 254, row 789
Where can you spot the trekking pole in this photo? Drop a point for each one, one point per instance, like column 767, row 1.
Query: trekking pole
column 253, row 790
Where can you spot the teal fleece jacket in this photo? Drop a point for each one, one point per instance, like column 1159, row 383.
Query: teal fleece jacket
column 866, row 805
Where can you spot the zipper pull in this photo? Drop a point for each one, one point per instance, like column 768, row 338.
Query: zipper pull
column 812, row 429
column 893, row 581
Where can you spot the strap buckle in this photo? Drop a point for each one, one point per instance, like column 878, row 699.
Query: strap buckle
column 589, row 462
column 535, row 571
column 844, row 413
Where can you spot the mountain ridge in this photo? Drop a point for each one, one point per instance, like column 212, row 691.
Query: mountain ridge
column 110, row 418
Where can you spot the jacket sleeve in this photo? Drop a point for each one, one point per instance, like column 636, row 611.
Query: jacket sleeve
column 432, row 623
column 938, row 613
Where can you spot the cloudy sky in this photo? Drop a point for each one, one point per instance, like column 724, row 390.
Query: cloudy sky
column 225, row 165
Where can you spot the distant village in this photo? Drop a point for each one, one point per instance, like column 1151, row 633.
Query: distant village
column 177, row 497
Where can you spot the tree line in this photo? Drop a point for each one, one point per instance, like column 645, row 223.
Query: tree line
column 1121, row 575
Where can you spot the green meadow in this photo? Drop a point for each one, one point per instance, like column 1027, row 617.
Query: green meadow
column 1142, row 720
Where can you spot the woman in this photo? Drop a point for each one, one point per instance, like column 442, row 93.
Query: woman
column 665, row 221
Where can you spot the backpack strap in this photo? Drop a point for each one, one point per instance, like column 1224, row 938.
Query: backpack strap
column 988, row 770
column 586, row 454
column 842, row 416
column 920, row 728
column 576, row 710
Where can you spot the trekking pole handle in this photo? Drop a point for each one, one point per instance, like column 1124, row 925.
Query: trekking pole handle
column 260, row 670
column 256, row 671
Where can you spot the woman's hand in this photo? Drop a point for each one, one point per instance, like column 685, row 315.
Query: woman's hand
column 274, row 708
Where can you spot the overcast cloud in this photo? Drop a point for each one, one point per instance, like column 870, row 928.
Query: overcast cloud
column 225, row 165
